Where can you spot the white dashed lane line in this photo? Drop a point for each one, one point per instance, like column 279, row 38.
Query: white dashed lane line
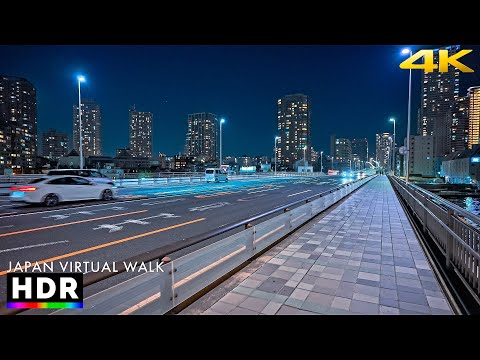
column 302, row 192
column 32, row 246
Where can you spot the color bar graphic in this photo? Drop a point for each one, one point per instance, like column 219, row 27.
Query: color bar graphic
column 44, row 305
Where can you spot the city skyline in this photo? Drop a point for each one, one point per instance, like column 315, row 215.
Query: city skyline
column 227, row 81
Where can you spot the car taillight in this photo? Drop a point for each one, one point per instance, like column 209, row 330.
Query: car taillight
column 23, row 188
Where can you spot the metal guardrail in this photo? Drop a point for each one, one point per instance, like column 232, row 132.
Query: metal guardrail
column 455, row 230
column 187, row 275
column 133, row 180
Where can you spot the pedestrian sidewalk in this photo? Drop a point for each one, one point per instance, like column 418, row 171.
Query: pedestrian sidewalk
column 362, row 257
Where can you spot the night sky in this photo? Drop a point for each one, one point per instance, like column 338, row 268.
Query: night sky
column 354, row 90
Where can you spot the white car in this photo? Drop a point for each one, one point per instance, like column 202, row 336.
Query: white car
column 90, row 174
column 50, row 190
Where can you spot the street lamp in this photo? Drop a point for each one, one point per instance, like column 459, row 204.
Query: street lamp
column 221, row 122
column 321, row 161
column 275, row 168
column 393, row 160
column 80, row 79
column 405, row 52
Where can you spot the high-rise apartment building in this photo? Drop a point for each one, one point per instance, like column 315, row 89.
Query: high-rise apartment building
column 458, row 139
column 421, row 156
column 473, row 116
column 91, row 128
column 141, row 133
column 294, row 116
column 360, row 149
column 54, row 144
column 343, row 150
column 201, row 141
column 18, row 124
column 383, row 150
column 439, row 92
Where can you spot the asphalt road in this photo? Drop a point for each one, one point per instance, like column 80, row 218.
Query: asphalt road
column 139, row 220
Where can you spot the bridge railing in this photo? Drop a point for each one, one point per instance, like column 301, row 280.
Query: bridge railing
column 187, row 275
column 456, row 231
column 152, row 179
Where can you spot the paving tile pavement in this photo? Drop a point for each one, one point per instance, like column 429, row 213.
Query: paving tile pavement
column 361, row 258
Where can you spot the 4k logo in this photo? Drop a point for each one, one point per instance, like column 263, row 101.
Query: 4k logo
column 443, row 61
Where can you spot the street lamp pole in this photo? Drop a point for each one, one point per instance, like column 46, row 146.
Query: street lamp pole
column 275, row 168
column 393, row 154
column 321, row 161
column 408, row 51
column 80, row 79
column 221, row 122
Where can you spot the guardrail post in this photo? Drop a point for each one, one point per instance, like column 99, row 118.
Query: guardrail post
column 250, row 243
column 167, row 286
column 289, row 218
column 424, row 202
column 310, row 206
column 449, row 244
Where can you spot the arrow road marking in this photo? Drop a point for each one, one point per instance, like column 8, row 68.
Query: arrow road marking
column 210, row 206
column 119, row 226
column 139, row 222
column 90, row 212
column 112, row 228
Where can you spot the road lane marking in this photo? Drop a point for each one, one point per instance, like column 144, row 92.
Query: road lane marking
column 259, row 191
column 69, row 223
column 15, row 214
column 110, row 227
column 244, row 187
column 163, row 202
column 140, row 304
column 32, row 246
column 301, row 192
column 91, row 212
column 101, row 246
column 216, row 194
column 119, row 226
column 8, row 214
column 6, row 226
column 209, row 206
column 251, row 198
